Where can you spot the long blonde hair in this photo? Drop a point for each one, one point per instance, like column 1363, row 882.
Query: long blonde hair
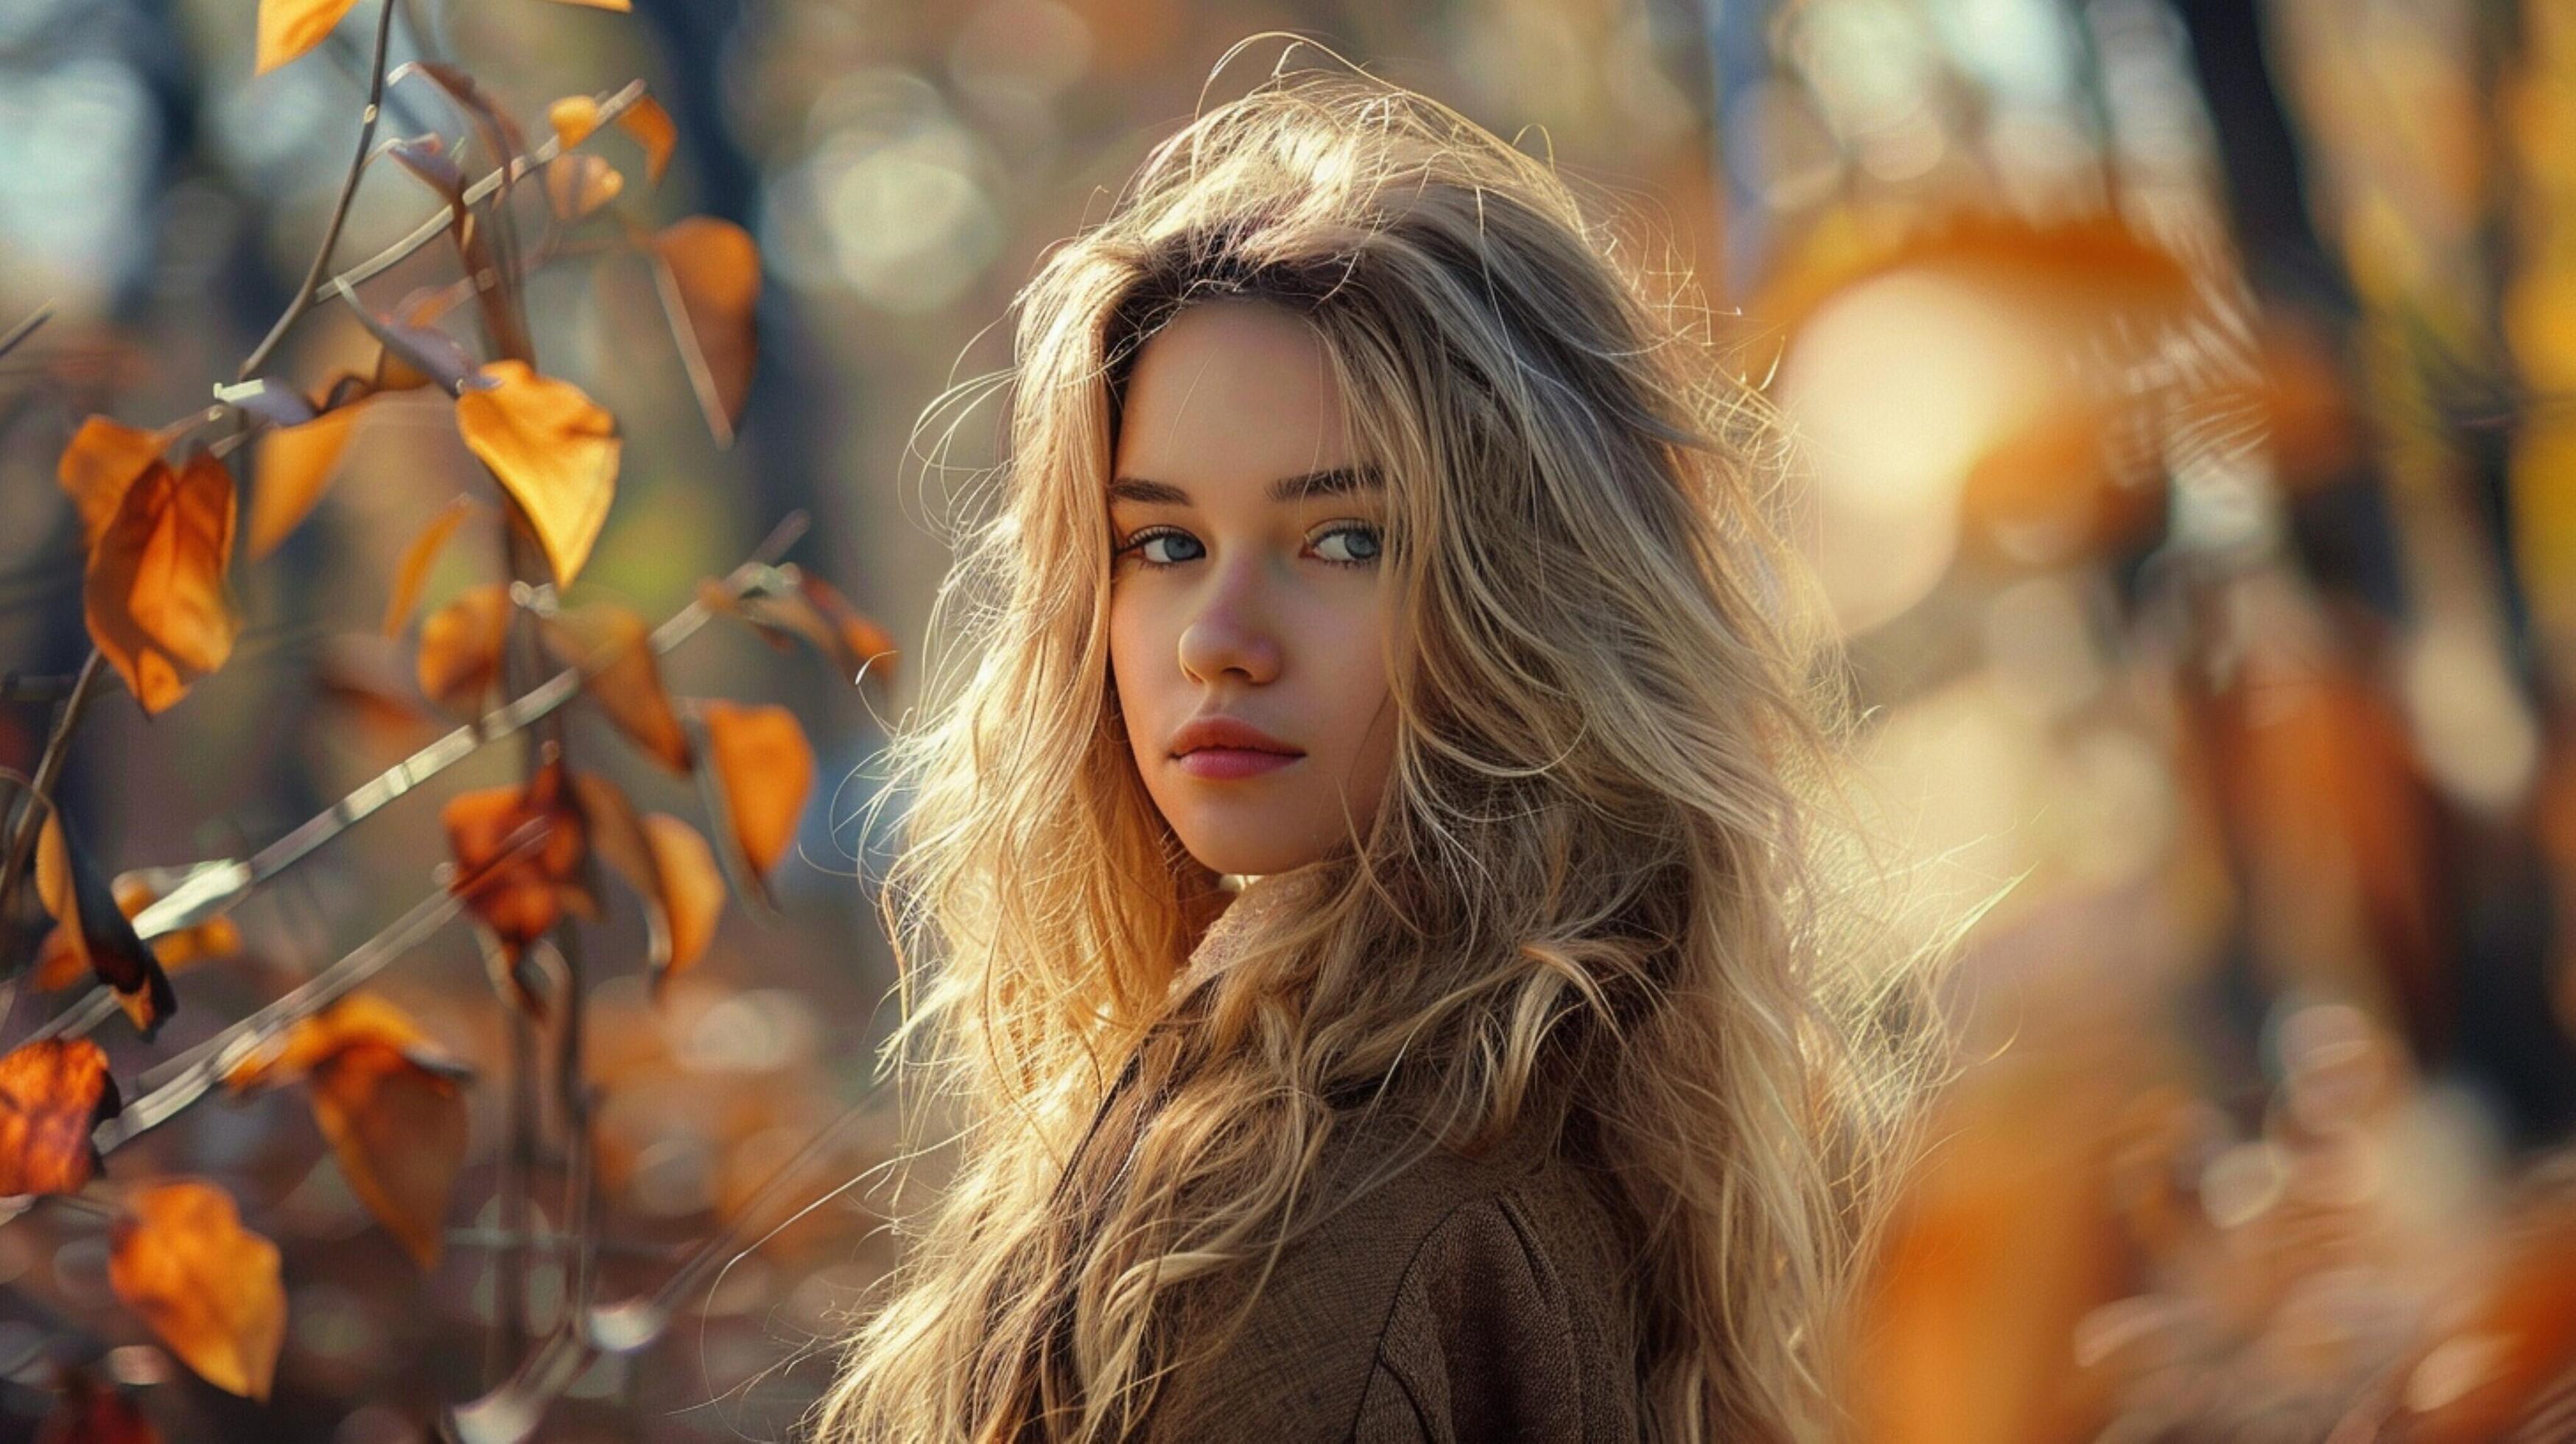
column 1613, row 877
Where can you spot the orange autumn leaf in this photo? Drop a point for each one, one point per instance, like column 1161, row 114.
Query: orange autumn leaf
column 863, row 646
column 295, row 465
column 620, row 6
column 97, row 930
column 288, row 28
column 708, row 273
column 179, row 1257
column 155, row 593
column 816, row 611
column 389, row 1102
column 553, row 449
column 413, row 569
column 763, row 769
column 53, row 1094
column 574, row 118
column 461, row 646
column 104, row 459
column 667, row 863
column 578, row 185
column 693, row 891
column 613, row 647
column 519, row 898
column 308, row 1043
column 61, row 961
column 651, row 126
column 399, row 1131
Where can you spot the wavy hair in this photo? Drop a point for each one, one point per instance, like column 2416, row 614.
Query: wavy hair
column 1616, row 875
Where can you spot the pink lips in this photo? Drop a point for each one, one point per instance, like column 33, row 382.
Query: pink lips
column 1228, row 762
column 1219, row 747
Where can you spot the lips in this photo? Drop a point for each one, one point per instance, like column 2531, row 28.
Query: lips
column 1228, row 733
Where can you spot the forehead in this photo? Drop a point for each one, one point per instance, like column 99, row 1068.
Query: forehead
column 1233, row 391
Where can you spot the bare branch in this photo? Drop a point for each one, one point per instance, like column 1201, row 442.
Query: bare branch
column 304, row 297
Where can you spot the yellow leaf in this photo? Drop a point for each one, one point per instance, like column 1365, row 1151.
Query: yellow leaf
column 295, row 465
column 461, row 645
column 764, row 768
column 413, row 569
column 574, row 117
column 693, row 890
column 180, row 1259
column 709, row 278
column 288, row 28
column 651, row 126
column 578, row 185
column 553, row 449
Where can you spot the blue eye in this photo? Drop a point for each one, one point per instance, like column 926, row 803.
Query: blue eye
column 1367, row 543
column 1362, row 546
column 1147, row 537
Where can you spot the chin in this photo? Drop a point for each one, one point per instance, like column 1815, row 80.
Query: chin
column 1249, row 857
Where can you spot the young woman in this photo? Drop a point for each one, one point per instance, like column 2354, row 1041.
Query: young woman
column 1374, row 542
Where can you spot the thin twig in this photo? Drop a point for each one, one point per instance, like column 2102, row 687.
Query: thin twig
column 436, row 225
column 26, row 328
column 367, row 118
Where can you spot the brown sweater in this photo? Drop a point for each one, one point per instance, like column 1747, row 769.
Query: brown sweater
column 1460, row 1300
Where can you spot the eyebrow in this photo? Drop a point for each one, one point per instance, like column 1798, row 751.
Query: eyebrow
column 1338, row 481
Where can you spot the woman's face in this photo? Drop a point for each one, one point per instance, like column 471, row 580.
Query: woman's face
column 1246, row 585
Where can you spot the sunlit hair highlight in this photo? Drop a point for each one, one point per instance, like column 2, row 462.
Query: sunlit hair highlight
column 1618, row 878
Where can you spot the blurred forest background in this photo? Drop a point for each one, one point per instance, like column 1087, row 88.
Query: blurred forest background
column 2185, row 394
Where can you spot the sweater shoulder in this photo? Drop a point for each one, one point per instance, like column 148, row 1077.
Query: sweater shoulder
column 1421, row 1290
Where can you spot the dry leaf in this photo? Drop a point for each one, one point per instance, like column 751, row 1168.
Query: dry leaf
column 295, row 465
column 708, row 272
column 651, row 126
column 461, row 647
column 389, row 1102
column 816, row 611
column 764, row 768
column 693, row 891
column 614, row 649
column 863, row 647
column 53, row 1094
column 288, row 28
column 553, row 449
column 62, row 961
column 667, row 863
column 413, row 569
column 180, row 1259
column 104, row 459
column 578, row 185
column 621, row 6
column 155, row 593
column 399, row 1131
column 360, row 1018
column 521, row 898
column 98, row 930
column 574, row 118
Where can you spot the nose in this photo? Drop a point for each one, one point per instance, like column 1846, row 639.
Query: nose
column 1230, row 630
